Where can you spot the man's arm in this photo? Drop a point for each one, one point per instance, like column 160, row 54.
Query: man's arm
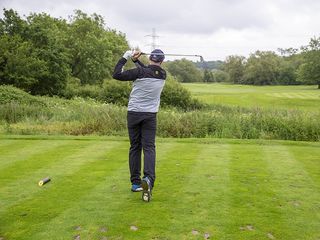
column 135, row 59
column 139, row 64
column 129, row 75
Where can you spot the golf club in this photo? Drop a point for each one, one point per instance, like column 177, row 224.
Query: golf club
column 178, row 55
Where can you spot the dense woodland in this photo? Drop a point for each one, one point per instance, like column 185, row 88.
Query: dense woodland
column 40, row 54
column 44, row 55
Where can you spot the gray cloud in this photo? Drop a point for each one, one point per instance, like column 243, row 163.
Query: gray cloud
column 215, row 27
column 204, row 17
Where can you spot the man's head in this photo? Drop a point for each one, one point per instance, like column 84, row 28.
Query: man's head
column 157, row 56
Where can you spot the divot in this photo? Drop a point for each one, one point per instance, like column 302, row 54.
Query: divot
column 77, row 228
column 206, row 236
column 103, row 229
column 250, row 227
column 295, row 203
column 194, row 232
column 77, row 237
column 133, row 228
column 270, row 236
column 104, row 238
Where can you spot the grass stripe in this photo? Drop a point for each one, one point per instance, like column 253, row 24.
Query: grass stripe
column 78, row 179
column 175, row 189
column 16, row 150
column 298, row 196
column 106, row 180
column 42, row 155
column 135, row 212
column 24, row 189
column 165, row 203
column 5, row 143
column 110, row 195
column 252, row 194
column 206, row 194
column 113, row 215
column 20, row 188
column 309, row 159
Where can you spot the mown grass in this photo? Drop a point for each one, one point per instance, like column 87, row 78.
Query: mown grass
column 229, row 189
column 271, row 97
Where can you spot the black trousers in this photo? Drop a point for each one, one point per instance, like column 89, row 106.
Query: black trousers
column 142, row 133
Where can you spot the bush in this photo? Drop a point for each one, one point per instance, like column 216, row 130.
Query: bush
column 9, row 94
column 175, row 95
column 117, row 92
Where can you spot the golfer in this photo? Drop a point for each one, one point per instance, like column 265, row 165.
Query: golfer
column 144, row 101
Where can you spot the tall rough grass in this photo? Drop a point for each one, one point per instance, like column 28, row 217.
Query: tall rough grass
column 80, row 117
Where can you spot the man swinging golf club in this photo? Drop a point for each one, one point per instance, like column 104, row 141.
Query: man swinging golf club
column 144, row 101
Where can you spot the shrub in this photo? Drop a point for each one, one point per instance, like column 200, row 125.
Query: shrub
column 9, row 94
column 117, row 92
column 175, row 95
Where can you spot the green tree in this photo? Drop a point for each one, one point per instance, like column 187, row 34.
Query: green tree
column 220, row 76
column 234, row 66
column 32, row 55
column 19, row 64
column 208, row 76
column 262, row 68
column 94, row 50
column 309, row 71
column 287, row 72
column 47, row 36
column 12, row 24
column 184, row 70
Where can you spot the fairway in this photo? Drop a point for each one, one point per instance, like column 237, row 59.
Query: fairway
column 278, row 97
column 227, row 189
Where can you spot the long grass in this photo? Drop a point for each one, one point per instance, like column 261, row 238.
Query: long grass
column 21, row 113
column 80, row 117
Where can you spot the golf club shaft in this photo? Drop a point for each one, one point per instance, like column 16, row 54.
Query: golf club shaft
column 177, row 55
column 172, row 54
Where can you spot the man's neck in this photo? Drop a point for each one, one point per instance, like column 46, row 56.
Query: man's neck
column 155, row 63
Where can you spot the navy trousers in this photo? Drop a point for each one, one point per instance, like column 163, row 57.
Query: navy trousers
column 142, row 133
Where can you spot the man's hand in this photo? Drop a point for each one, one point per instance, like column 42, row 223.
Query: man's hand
column 136, row 55
column 127, row 54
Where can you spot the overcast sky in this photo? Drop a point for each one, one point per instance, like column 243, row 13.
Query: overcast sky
column 212, row 28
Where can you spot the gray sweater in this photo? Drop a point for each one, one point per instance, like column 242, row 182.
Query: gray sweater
column 148, row 82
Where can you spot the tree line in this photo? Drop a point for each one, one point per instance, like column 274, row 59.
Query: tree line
column 40, row 53
column 44, row 55
column 289, row 67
